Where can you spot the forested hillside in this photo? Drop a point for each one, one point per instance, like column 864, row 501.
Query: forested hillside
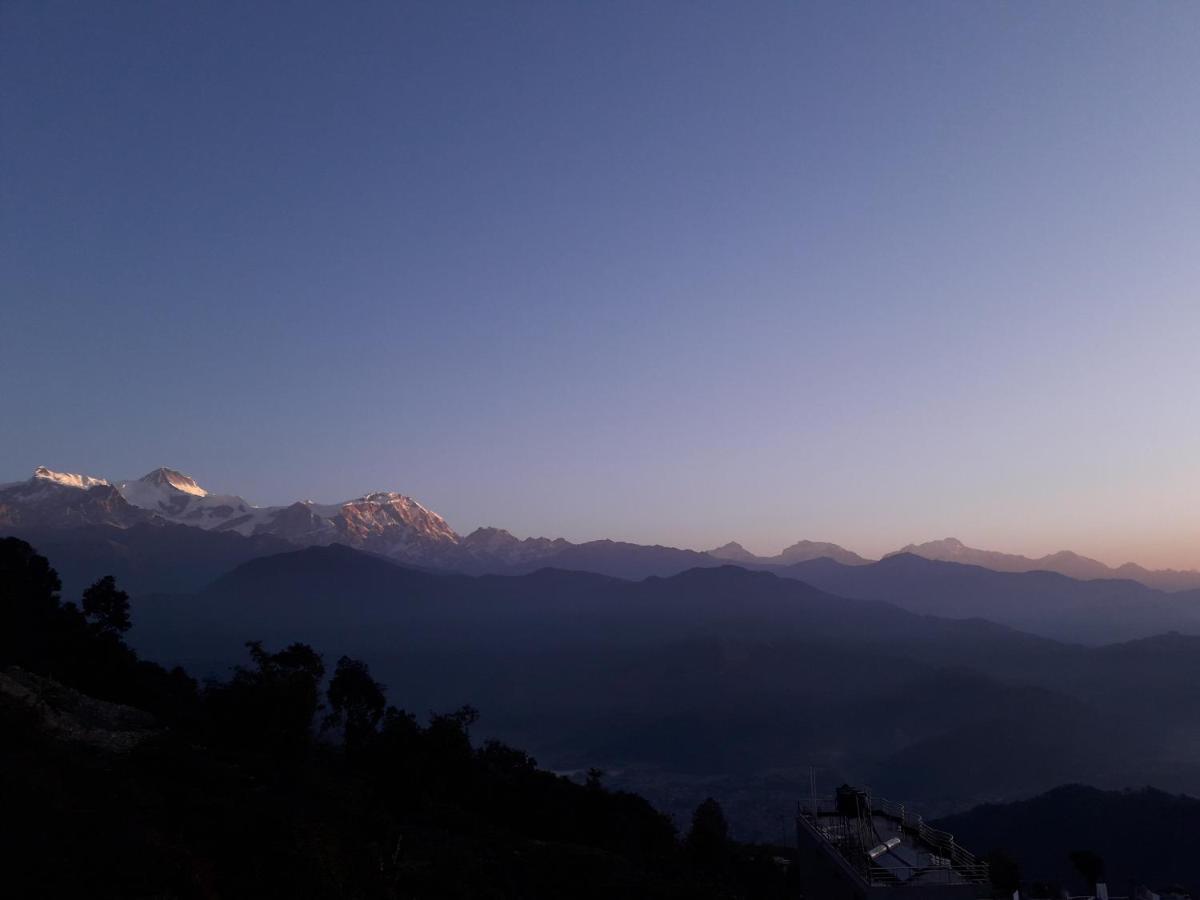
column 294, row 778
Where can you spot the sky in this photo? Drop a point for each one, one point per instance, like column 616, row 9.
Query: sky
column 675, row 273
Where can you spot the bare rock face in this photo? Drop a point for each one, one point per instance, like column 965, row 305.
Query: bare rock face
column 71, row 716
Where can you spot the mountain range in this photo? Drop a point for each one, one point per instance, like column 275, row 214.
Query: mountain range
column 1040, row 602
column 1064, row 563
column 718, row 671
column 667, row 667
column 399, row 527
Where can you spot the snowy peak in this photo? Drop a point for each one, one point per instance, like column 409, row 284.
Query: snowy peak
column 385, row 512
column 382, row 522
column 67, row 479
column 53, row 499
column 163, row 477
column 175, row 497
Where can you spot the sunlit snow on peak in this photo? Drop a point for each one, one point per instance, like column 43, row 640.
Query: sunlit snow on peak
column 175, row 479
column 68, row 479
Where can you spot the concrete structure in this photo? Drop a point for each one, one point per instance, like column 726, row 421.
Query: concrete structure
column 855, row 847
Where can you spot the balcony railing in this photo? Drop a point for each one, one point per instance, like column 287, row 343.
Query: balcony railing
column 951, row 864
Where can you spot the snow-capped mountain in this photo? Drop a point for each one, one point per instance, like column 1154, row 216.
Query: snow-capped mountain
column 383, row 522
column 399, row 527
column 53, row 499
column 43, row 476
column 396, row 526
column 176, row 497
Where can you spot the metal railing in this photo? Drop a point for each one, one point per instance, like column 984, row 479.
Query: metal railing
column 890, row 875
column 935, row 837
column 953, row 864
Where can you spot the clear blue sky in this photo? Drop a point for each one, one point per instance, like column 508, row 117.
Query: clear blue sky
column 673, row 272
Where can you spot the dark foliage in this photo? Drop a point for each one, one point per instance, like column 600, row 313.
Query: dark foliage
column 1077, row 835
column 107, row 607
column 45, row 635
column 708, row 839
column 265, row 712
column 356, row 702
column 229, row 793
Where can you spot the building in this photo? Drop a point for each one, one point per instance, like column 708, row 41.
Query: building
column 858, row 847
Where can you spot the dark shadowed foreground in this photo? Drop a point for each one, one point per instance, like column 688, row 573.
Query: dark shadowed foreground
column 293, row 776
column 123, row 779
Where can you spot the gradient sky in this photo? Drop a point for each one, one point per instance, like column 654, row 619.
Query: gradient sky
column 666, row 272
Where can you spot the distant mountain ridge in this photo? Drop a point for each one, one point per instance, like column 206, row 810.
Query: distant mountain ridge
column 1064, row 562
column 801, row 551
column 1040, row 602
column 730, row 670
column 950, row 549
column 399, row 527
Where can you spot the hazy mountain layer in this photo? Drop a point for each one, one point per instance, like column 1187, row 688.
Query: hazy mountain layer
column 1064, row 562
column 718, row 671
column 1044, row 603
column 798, row 552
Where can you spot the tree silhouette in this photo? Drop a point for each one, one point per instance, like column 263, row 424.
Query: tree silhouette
column 26, row 578
column 356, row 702
column 107, row 607
column 708, row 839
column 268, row 710
column 28, row 604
